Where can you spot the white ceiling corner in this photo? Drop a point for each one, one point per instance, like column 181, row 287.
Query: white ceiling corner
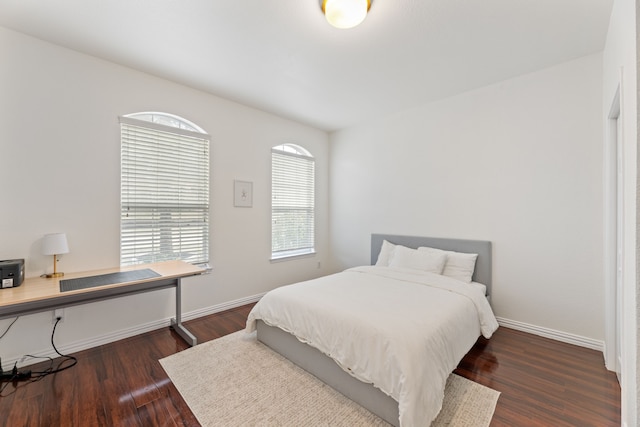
column 281, row 56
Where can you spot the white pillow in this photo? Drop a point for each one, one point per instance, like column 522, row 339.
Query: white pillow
column 459, row 265
column 480, row 286
column 386, row 253
column 404, row 257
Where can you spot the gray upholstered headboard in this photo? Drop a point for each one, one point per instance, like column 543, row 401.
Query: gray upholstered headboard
column 481, row 274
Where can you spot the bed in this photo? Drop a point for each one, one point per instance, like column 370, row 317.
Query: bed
column 368, row 330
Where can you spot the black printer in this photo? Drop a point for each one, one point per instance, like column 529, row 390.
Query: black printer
column 11, row 273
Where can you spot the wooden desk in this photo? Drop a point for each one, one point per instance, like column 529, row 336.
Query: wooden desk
column 41, row 294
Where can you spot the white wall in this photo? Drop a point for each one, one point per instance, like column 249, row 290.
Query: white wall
column 60, row 151
column 518, row 163
column 620, row 73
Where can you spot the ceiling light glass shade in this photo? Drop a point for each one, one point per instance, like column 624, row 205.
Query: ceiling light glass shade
column 345, row 13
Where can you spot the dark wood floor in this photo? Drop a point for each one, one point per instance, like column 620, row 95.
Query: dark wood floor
column 543, row 382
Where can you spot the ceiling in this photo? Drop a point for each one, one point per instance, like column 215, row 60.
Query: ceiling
column 281, row 56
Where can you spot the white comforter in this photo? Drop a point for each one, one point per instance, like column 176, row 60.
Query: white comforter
column 402, row 330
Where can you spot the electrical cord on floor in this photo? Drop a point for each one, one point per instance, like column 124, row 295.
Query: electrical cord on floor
column 34, row 376
column 7, row 330
column 65, row 357
column 9, row 376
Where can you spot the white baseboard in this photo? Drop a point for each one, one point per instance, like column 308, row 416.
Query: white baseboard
column 221, row 307
column 76, row 346
column 553, row 334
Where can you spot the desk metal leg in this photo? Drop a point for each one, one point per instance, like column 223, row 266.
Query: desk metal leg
column 176, row 323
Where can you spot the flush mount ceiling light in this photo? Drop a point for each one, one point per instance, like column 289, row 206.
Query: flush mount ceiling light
column 345, row 13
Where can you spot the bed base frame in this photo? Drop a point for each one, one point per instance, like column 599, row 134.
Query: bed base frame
column 328, row 371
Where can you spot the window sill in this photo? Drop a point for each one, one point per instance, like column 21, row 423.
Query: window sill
column 292, row 257
column 207, row 268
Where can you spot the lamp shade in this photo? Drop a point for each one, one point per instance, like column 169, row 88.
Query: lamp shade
column 55, row 244
column 345, row 13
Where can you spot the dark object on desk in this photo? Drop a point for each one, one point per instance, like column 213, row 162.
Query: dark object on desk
column 106, row 279
column 11, row 273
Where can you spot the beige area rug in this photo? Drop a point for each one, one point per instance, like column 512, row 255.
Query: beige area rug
column 237, row 381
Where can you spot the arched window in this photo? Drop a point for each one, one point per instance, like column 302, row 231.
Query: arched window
column 164, row 190
column 292, row 201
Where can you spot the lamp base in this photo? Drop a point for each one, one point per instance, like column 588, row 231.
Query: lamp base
column 53, row 275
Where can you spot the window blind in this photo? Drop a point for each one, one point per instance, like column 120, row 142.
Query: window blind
column 164, row 193
column 292, row 208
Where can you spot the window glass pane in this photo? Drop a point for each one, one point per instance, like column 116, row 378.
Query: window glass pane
column 293, row 201
column 164, row 194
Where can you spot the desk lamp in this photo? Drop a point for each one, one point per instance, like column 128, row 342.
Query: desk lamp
column 55, row 244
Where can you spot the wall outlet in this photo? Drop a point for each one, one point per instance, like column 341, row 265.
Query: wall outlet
column 58, row 312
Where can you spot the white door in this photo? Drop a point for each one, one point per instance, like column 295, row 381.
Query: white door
column 619, row 247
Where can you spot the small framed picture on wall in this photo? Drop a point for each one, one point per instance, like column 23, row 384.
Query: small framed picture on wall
column 242, row 194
